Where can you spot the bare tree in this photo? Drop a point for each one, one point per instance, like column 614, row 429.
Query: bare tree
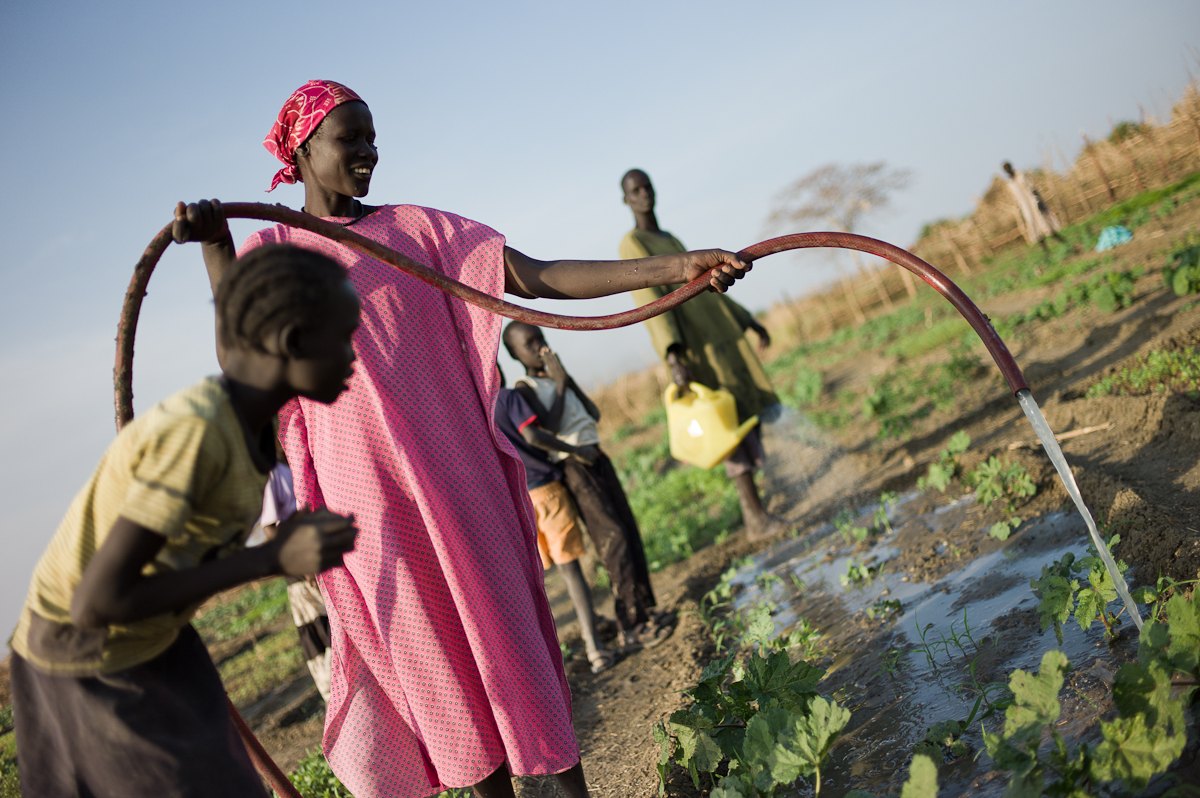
column 839, row 197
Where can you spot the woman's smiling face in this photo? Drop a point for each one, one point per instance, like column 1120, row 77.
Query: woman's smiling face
column 341, row 152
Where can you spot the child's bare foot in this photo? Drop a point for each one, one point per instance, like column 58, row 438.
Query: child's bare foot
column 765, row 527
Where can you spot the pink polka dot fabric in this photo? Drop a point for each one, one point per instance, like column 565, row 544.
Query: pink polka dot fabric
column 445, row 656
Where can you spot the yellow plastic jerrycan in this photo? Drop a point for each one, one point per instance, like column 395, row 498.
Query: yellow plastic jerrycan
column 703, row 424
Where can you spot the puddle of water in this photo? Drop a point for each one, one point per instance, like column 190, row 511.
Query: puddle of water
column 931, row 679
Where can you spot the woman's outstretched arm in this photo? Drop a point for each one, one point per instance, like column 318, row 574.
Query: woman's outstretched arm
column 585, row 279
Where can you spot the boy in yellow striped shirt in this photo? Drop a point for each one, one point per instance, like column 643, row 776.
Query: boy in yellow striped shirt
column 113, row 691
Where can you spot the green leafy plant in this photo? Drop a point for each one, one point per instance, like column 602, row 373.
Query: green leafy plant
column 1113, row 291
column 859, row 574
column 260, row 668
column 313, row 779
column 1035, row 707
column 884, row 608
column 942, row 742
column 995, row 480
column 713, row 610
column 983, row 691
column 764, row 717
column 881, row 513
column 753, row 626
column 603, row 581
column 767, row 582
column 944, row 383
column 1182, row 274
column 947, row 466
column 1110, row 292
column 1061, row 596
column 928, row 648
column 1002, row 529
column 245, row 612
column 892, row 661
column 758, row 628
column 882, row 398
column 806, row 638
column 844, row 523
column 679, row 510
column 1139, row 744
column 960, row 640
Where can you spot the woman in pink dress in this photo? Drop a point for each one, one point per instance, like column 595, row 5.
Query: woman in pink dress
column 446, row 667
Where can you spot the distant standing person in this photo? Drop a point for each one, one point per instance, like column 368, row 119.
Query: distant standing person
column 571, row 415
column 1040, row 223
column 703, row 340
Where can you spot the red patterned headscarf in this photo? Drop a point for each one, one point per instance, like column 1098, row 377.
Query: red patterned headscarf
column 299, row 117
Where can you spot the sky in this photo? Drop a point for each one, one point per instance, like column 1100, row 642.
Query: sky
column 521, row 115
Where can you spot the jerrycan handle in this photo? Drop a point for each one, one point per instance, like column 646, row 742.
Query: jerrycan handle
column 671, row 394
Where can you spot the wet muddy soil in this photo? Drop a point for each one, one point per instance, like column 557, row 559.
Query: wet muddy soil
column 944, row 646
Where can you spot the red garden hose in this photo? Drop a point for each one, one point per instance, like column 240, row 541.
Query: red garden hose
column 123, row 371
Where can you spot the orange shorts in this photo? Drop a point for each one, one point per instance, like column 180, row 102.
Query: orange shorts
column 558, row 536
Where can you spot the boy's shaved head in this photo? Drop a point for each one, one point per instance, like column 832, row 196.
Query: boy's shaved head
column 525, row 343
column 513, row 328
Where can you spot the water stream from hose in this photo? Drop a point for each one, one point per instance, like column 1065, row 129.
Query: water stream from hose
column 1055, row 453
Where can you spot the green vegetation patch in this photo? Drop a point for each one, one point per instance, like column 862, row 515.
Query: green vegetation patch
column 10, row 779
column 762, row 716
column 248, row 612
column 679, row 508
column 1142, row 742
column 1060, row 595
column 1137, row 210
column 313, row 778
column 940, row 335
column 1110, row 292
column 997, row 480
column 1159, row 371
column 270, row 661
column 947, row 466
column 1182, row 274
column 802, row 390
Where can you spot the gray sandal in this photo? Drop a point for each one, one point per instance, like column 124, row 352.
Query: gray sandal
column 602, row 659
